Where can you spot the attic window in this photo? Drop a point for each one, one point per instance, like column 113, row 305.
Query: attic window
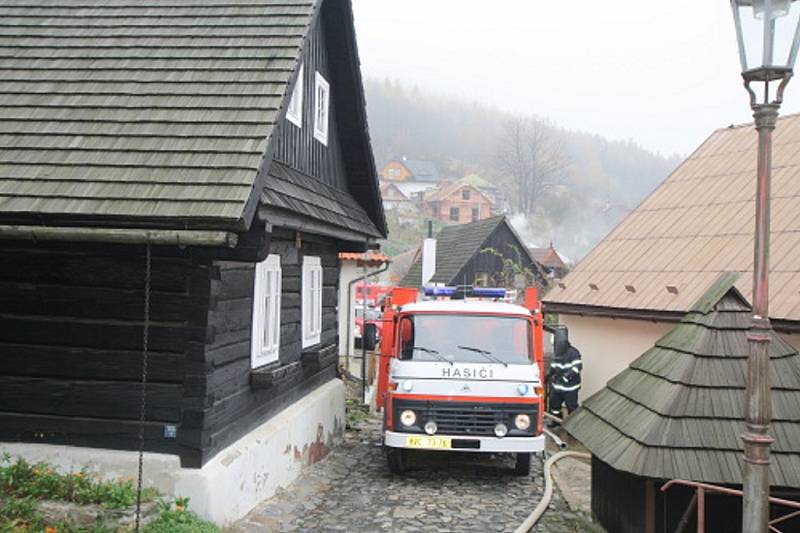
column 465, row 194
column 321, row 103
column 295, row 112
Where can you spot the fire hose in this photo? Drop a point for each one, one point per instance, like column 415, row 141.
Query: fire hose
column 537, row 513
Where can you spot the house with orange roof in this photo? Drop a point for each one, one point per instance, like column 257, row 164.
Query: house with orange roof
column 643, row 278
column 551, row 261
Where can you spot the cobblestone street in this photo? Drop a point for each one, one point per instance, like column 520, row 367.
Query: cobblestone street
column 352, row 490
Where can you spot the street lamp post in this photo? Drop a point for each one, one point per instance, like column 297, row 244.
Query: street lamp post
column 761, row 25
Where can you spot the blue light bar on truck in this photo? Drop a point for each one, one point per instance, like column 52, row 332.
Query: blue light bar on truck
column 440, row 291
column 477, row 292
column 487, row 292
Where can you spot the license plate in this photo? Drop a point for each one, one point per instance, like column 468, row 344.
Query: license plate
column 432, row 443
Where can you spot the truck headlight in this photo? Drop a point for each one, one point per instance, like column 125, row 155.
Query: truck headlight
column 501, row 430
column 522, row 422
column 431, row 427
column 408, row 418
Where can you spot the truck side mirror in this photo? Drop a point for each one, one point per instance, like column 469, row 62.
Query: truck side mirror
column 370, row 336
column 560, row 340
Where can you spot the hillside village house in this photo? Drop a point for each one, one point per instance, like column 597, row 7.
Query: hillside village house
column 458, row 203
column 633, row 287
column 398, row 205
column 411, row 176
column 551, row 260
column 178, row 186
column 392, row 196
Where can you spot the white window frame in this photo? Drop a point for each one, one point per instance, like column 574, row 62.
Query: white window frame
column 312, row 301
column 322, row 98
column 294, row 113
column 266, row 339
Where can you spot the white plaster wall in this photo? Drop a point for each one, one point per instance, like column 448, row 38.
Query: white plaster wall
column 239, row 477
column 348, row 272
column 609, row 345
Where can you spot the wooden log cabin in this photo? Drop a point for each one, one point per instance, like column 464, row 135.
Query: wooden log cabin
column 178, row 179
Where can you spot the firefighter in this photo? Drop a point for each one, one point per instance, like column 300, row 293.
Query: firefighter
column 564, row 377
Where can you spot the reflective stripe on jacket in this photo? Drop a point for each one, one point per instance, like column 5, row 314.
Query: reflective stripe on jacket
column 566, row 371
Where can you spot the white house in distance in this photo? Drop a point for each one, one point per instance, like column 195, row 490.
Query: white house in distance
column 644, row 276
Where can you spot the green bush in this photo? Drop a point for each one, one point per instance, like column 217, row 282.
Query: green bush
column 179, row 519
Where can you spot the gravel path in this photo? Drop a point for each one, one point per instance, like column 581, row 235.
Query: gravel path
column 352, row 490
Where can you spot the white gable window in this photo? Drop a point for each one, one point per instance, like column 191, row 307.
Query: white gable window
column 266, row 312
column 312, row 301
column 295, row 112
column 321, row 102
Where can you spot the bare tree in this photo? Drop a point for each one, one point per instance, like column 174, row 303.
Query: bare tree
column 533, row 159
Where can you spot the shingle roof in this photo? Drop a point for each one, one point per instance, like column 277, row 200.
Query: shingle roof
column 547, row 257
column 678, row 410
column 292, row 191
column 698, row 223
column 155, row 109
column 455, row 246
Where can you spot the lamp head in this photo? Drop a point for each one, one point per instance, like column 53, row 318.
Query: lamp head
column 768, row 34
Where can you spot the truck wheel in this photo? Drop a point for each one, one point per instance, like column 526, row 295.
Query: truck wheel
column 523, row 464
column 396, row 458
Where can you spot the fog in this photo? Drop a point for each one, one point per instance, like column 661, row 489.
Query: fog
column 664, row 74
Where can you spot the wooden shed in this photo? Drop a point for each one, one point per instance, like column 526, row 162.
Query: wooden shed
column 178, row 179
column 678, row 413
column 485, row 253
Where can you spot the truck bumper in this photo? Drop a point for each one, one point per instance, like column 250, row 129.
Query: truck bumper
column 473, row 444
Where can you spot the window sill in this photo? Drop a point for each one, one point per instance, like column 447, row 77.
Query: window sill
column 273, row 375
column 320, row 356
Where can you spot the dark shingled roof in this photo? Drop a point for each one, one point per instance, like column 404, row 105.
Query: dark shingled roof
column 293, row 192
column 422, row 170
column 678, row 410
column 455, row 246
column 154, row 112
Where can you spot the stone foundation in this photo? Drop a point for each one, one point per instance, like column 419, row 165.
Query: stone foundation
column 240, row 476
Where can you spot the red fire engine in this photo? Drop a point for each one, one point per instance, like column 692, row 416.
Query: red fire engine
column 461, row 374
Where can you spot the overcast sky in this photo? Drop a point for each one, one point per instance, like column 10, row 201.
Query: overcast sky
column 663, row 73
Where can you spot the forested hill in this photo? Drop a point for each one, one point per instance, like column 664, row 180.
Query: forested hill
column 589, row 185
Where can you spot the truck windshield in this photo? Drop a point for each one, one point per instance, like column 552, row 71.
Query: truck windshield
column 465, row 339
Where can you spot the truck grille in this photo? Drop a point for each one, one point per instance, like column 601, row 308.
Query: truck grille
column 464, row 418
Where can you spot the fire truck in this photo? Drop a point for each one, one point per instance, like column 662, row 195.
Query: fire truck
column 461, row 370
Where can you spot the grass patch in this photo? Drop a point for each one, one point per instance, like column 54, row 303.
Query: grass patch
column 356, row 412
column 23, row 485
column 22, row 480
